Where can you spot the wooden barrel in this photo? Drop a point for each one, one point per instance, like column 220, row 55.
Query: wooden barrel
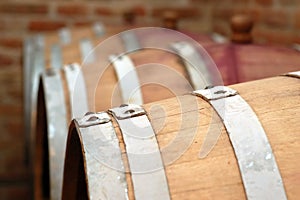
column 57, row 55
column 241, row 60
column 55, row 95
column 161, row 71
column 245, row 62
column 33, row 53
column 274, row 102
column 35, row 49
column 57, row 102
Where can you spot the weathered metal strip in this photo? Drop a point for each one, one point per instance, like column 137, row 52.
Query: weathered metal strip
column 195, row 65
column 258, row 167
column 105, row 171
column 128, row 79
column 57, row 127
column 293, row 74
column 143, row 153
column 86, row 49
column 218, row 38
column 130, row 41
column 27, row 63
column 99, row 29
column 33, row 66
column 77, row 90
column 56, row 56
column 38, row 66
column 65, row 36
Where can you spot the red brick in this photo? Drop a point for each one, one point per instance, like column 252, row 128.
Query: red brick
column 276, row 18
column 297, row 19
column 104, row 11
column 23, row 8
column 15, row 93
column 6, row 60
column 72, row 10
column 15, row 127
column 13, row 166
column 223, row 13
column 264, row 2
column 230, row 3
column 44, row 25
column 289, row 2
column 2, row 25
column 82, row 23
column 139, row 10
column 282, row 37
column 204, row 1
column 15, row 191
column 185, row 12
column 11, row 109
column 255, row 13
column 11, row 42
column 296, row 39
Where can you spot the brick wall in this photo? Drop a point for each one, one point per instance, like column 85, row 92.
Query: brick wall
column 276, row 21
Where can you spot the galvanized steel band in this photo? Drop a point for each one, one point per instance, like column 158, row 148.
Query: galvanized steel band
column 57, row 128
column 195, row 65
column 104, row 165
column 293, row 74
column 257, row 164
column 143, row 153
column 77, row 90
column 128, row 79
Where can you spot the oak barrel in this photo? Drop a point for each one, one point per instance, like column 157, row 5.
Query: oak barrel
column 36, row 49
column 243, row 60
column 163, row 73
column 47, row 170
column 275, row 102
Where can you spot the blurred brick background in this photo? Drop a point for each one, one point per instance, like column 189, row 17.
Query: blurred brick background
column 276, row 22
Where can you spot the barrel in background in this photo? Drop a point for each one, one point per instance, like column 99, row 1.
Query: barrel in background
column 35, row 62
column 56, row 105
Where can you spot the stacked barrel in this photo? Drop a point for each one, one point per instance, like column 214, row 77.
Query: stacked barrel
column 106, row 117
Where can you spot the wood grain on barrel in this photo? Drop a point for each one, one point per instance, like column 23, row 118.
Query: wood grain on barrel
column 152, row 75
column 108, row 81
column 72, row 53
column 275, row 102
